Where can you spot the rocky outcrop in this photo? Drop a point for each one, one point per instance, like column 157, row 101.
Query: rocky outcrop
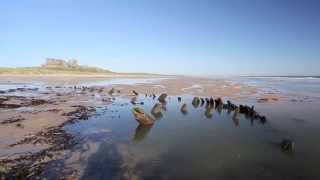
column 162, row 98
column 218, row 102
column 196, row 102
column 156, row 110
column 135, row 92
column 287, row 145
column 184, row 109
column 112, row 91
column 142, row 117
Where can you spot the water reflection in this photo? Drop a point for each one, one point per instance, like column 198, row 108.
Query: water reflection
column 156, row 111
column 235, row 117
column 164, row 105
column 141, row 133
column 147, row 155
column 209, row 112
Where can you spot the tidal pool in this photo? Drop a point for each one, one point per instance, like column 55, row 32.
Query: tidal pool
column 193, row 145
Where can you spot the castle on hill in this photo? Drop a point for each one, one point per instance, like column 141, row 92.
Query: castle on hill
column 60, row 63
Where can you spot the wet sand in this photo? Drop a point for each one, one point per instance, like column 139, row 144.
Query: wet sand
column 32, row 119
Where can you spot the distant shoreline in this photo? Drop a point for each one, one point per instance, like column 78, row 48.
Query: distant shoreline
column 86, row 75
column 62, row 72
column 283, row 76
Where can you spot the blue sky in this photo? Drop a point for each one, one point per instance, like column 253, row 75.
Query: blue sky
column 194, row 37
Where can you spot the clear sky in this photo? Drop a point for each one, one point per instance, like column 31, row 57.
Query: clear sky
column 198, row 37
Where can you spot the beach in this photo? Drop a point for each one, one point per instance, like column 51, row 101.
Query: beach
column 59, row 127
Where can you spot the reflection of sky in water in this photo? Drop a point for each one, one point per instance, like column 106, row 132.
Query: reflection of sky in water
column 180, row 146
column 7, row 86
column 104, row 82
column 302, row 86
column 124, row 81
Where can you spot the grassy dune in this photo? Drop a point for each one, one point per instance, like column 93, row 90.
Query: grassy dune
column 62, row 71
column 40, row 70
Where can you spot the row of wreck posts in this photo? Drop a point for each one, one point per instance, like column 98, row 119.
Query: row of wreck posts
column 146, row 121
column 210, row 105
column 112, row 91
column 218, row 104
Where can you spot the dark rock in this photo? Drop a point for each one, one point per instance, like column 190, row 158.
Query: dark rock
column 12, row 90
column 22, row 89
column 111, row 92
column 19, row 125
column 263, row 100
column 10, row 106
column 106, row 100
column 202, row 102
column 134, row 100
column 162, row 98
column 13, row 120
column 3, row 99
column 37, row 102
column 2, row 92
column 156, row 110
column 184, row 109
column 244, row 109
column 229, row 104
column 218, row 102
column 287, row 145
column 251, row 113
column 91, row 89
column 81, row 113
column 100, row 90
column 135, row 93
column 196, row 102
column 230, row 107
column 179, row 99
column 263, row 119
column 211, row 102
column 207, row 102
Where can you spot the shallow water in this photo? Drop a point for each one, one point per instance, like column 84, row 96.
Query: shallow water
column 123, row 81
column 40, row 83
column 307, row 86
column 195, row 145
column 182, row 146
